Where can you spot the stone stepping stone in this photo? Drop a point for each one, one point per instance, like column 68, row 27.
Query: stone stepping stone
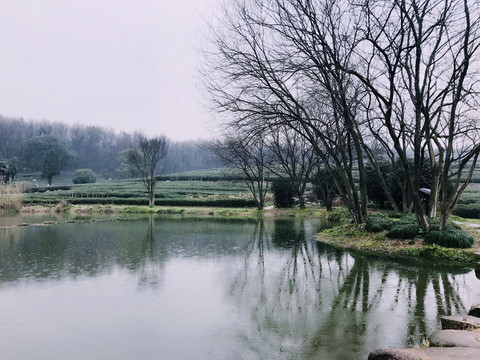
column 463, row 322
column 461, row 338
column 475, row 310
column 435, row 353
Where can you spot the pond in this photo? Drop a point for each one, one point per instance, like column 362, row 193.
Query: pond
column 188, row 288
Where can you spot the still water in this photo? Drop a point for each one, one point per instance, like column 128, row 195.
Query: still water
column 179, row 288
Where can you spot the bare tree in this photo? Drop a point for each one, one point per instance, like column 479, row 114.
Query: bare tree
column 421, row 75
column 250, row 156
column 346, row 73
column 293, row 157
column 145, row 159
column 267, row 69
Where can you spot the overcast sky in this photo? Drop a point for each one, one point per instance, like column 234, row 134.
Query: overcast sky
column 125, row 64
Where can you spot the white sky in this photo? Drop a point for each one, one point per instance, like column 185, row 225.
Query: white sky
column 123, row 64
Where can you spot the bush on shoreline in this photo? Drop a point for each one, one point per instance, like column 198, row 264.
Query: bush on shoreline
column 406, row 228
column 453, row 236
column 378, row 223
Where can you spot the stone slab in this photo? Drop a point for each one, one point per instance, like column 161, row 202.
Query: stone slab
column 461, row 338
column 435, row 353
column 463, row 322
column 475, row 310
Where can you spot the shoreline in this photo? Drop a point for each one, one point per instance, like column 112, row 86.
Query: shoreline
column 68, row 209
column 356, row 238
column 345, row 236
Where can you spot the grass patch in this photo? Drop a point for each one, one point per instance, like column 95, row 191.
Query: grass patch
column 356, row 237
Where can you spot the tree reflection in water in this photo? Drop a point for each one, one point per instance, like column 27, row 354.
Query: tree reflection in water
column 334, row 303
column 152, row 268
column 286, row 295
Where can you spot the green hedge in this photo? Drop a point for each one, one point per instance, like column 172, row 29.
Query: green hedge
column 469, row 211
column 42, row 189
column 232, row 203
column 199, row 178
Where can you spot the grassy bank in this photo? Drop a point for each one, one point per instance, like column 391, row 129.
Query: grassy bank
column 191, row 195
column 357, row 238
column 69, row 209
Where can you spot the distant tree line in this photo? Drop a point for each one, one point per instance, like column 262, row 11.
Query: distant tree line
column 49, row 147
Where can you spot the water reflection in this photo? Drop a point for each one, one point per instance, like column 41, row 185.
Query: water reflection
column 152, row 266
column 337, row 305
column 248, row 289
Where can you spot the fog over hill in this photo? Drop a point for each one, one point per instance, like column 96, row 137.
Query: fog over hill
column 94, row 147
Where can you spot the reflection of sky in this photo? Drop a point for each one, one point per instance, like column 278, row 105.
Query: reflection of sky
column 108, row 317
column 233, row 290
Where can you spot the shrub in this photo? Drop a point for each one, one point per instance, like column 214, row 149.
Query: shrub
column 403, row 231
column 469, row 211
column 391, row 174
column 10, row 197
column 62, row 206
column 452, row 237
column 405, row 228
column 283, row 193
column 323, row 185
column 84, row 176
column 378, row 223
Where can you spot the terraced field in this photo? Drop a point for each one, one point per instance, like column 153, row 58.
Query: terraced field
column 132, row 192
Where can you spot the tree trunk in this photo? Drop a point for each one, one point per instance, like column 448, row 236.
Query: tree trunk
column 301, row 202
column 151, row 193
column 420, row 214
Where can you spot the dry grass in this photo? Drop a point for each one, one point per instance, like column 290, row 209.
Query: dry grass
column 11, row 196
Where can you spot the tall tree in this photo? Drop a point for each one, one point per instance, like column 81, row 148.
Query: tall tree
column 402, row 73
column 267, row 68
column 145, row 158
column 37, row 148
column 421, row 75
column 51, row 166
